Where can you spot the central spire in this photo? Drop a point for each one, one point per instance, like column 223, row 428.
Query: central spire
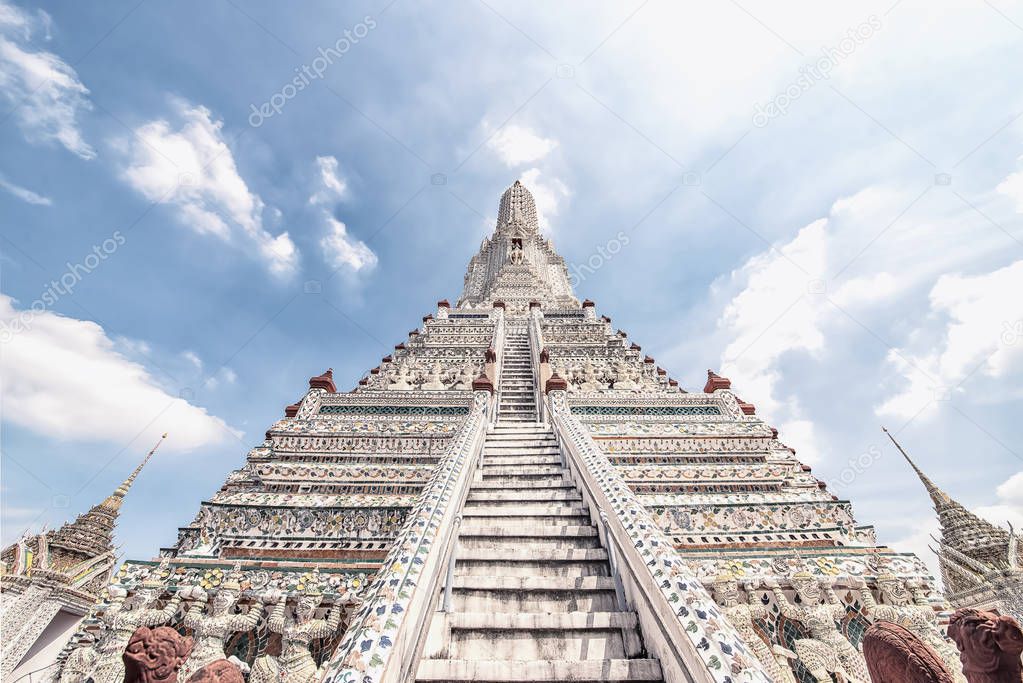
column 517, row 265
column 517, row 211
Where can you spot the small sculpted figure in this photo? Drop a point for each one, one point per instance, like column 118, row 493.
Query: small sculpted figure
column 154, row 655
column 295, row 663
column 905, row 603
column 741, row 615
column 989, row 646
column 212, row 630
column 826, row 651
column 895, row 654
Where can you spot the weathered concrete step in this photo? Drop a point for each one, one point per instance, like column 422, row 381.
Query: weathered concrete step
column 535, row 583
column 518, row 441
column 519, row 432
column 527, row 555
column 506, row 546
column 503, row 448
column 504, row 484
column 565, row 635
column 512, row 467
column 481, row 510
column 519, row 496
column 504, row 671
column 535, row 568
column 519, row 530
column 512, row 464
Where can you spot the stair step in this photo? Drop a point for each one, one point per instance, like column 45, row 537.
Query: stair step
column 524, row 485
column 564, row 635
column 502, row 671
column 519, row 496
column 530, row 555
column 519, row 530
column 491, row 460
column 527, row 511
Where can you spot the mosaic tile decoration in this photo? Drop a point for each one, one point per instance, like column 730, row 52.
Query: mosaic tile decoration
column 393, row 410
column 719, row 646
column 367, row 647
column 646, row 410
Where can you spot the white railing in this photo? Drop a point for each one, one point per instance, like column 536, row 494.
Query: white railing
column 535, row 347
column 386, row 635
column 681, row 624
column 498, row 344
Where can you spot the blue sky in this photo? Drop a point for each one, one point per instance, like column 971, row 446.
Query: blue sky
column 822, row 202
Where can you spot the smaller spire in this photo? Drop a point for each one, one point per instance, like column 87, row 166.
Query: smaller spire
column 113, row 502
column 938, row 497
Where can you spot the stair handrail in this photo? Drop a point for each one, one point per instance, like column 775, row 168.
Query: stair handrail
column 497, row 343
column 665, row 592
column 535, row 347
column 383, row 642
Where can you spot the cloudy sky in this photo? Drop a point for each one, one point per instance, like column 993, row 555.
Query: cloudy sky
column 204, row 203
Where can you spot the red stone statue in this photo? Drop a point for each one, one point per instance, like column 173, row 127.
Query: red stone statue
column 219, row 671
column 154, row 655
column 897, row 655
column 989, row 646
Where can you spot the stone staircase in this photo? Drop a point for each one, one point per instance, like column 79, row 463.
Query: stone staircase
column 516, row 398
column 532, row 598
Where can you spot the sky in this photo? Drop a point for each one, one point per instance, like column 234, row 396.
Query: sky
column 202, row 204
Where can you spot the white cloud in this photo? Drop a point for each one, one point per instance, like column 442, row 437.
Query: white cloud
column 515, row 145
column 983, row 332
column 24, row 194
column 1012, row 187
column 65, row 378
column 334, row 186
column 191, row 167
column 344, row 251
column 548, row 192
column 41, row 89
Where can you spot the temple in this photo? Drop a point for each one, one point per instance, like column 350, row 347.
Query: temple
column 518, row 492
column 51, row 580
column 980, row 562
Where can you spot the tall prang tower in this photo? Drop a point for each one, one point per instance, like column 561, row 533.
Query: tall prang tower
column 518, row 492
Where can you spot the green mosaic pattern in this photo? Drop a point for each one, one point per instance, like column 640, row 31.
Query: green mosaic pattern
column 646, row 410
column 393, row 410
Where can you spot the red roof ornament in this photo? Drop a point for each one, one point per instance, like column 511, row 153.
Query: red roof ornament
column 661, row 371
column 715, row 382
column 648, row 359
column 483, row 383
column 324, row 381
column 490, row 356
column 443, row 303
column 606, row 319
column 556, row 383
column 399, row 347
column 588, row 304
column 747, row 408
column 427, row 318
column 636, row 347
column 499, row 304
column 413, row 333
column 534, row 304
column 545, row 355
column 292, row 410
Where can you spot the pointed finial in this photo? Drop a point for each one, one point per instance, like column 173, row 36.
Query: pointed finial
column 115, row 499
column 938, row 497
